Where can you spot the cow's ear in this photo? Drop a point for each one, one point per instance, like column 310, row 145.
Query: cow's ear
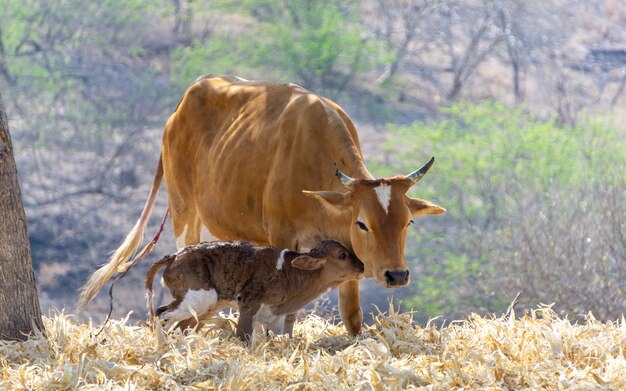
column 420, row 207
column 331, row 200
column 307, row 262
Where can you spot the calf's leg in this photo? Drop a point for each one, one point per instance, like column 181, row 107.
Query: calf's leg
column 280, row 237
column 277, row 326
column 195, row 304
column 164, row 308
column 244, row 325
column 187, row 324
column 290, row 320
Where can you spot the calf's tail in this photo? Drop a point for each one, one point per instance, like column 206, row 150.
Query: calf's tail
column 167, row 260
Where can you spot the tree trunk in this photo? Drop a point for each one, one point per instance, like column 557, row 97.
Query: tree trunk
column 19, row 305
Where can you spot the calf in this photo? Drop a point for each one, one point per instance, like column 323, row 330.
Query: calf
column 263, row 282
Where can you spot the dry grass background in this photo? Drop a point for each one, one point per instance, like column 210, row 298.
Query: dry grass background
column 538, row 350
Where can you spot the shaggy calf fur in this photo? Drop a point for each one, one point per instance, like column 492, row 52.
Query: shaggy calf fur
column 265, row 283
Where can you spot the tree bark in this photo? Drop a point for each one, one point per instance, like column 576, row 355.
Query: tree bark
column 20, row 313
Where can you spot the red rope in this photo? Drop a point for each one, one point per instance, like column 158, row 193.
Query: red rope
column 148, row 249
column 142, row 254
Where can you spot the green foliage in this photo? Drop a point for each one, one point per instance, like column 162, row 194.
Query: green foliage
column 491, row 163
column 82, row 63
column 488, row 150
column 84, row 80
column 318, row 44
column 214, row 56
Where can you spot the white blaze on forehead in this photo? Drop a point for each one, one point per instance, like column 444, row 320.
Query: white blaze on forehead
column 180, row 240
column 281, row 260
column 383, row 192
column 199, row 302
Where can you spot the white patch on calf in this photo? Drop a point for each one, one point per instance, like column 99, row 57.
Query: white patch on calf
column 383, row 192
column 281, row 260
column 198, row 302
column 180, row 240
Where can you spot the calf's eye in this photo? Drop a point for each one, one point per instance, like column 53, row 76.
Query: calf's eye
column 342, row 256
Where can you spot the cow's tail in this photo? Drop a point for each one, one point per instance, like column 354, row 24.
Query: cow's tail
column 150, row 278
column 117, row 262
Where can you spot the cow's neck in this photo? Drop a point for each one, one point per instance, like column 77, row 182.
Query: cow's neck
column 354, row 167
column 346, row 151
column 337, row 227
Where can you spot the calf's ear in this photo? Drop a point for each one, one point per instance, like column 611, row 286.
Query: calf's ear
column 307, row 262
column 420, row 207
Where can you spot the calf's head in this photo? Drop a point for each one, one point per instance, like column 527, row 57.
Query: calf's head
column 337, row 262
column 380, row 214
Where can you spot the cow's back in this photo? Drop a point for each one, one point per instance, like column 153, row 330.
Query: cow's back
column 237, row 154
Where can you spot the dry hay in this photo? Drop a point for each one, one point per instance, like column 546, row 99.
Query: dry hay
column 537, row 351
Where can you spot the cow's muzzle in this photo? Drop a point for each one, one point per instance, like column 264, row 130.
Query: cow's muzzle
column 396, row 278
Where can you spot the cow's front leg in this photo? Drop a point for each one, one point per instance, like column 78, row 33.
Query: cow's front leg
column 350, row 306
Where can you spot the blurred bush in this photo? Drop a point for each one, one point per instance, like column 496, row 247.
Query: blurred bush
column 532, row 207
column 320, row 45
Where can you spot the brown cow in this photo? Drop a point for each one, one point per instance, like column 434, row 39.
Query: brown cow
column 254, row 161
column 265, row 283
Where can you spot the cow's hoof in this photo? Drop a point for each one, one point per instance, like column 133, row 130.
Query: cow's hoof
column 354, row 323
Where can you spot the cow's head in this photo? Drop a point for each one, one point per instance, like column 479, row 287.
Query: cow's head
column 381, row 213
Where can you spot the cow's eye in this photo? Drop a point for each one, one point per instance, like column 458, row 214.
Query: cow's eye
column 342, row 256
column 362, row 226
column 410, row 222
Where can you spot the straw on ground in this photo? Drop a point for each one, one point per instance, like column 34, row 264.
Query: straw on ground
column 536, row 351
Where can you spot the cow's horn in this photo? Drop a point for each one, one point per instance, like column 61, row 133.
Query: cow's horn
column 416, row 175
column 346, row 180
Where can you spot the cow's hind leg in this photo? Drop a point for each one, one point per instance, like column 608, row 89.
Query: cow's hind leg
column 186, row 229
